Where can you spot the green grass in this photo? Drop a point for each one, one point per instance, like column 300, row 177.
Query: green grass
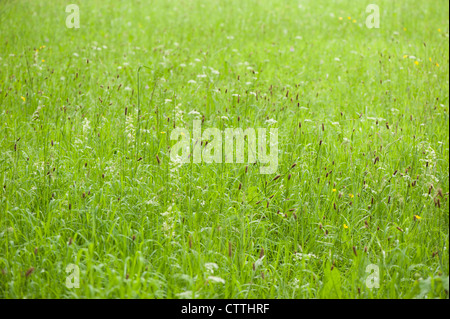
column 81, row 182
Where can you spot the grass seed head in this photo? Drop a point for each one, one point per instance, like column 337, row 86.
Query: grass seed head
column 29, row 271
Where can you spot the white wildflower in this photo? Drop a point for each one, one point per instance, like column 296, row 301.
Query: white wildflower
column 216, row 279
column 210, row 267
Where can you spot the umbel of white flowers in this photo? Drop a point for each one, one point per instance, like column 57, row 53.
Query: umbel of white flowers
column 211, row 152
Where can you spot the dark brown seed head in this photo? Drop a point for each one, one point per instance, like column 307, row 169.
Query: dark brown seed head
column 29, row 271
column 158, row 160
column 276, row 177
column 354, row 251
column 261, row 253
column 229, row 249
column 134, row 237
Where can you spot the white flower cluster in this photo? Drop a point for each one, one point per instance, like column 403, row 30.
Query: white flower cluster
column 129, row 129
column 168, row 224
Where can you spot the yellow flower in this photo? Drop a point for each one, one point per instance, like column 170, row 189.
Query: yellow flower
column 351, row 195
column 430, row 59
column 349, row 18
column 404, row 29
column 354, row 21
column 340, row 18
column 437, row 64
column 334, row 189
column 417, row 217
column 345, row 226
column 22, row 98
column 405, row 56
column 163, row 132
column 417, row 62
column 43, row 60
column 439, row 30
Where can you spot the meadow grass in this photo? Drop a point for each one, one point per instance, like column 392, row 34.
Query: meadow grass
column 85, row 170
